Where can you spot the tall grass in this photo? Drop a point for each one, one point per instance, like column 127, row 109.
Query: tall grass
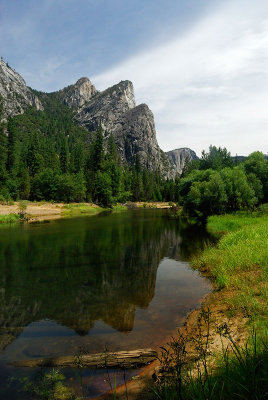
column 239, row 264
column 79, row 209
column 9, row 218
column 240, row 261
column 240, row 372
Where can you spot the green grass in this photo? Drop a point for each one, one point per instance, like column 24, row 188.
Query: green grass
column 9, row 218
column 239, row 262
column 219, row 224
column 241, row 373
column 119, row 207
column 79, row 209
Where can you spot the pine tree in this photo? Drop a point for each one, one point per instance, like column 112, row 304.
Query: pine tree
column 25, row 187
column 64, row 156
column 3, row 150
column 11, row 146
column 97, row 151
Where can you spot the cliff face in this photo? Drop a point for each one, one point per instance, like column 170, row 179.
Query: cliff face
column 16, row 95
column 115, row 108
column 178, row 158
column 107, row 107
column 78, row 94
column 132, row 126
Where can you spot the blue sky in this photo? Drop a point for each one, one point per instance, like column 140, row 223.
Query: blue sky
column 200, row 65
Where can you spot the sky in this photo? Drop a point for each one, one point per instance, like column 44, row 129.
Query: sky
column 200, row 65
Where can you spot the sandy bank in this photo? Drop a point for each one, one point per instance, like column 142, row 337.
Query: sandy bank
column 40, row 211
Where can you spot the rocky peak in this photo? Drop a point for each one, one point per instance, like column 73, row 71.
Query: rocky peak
column 107, row 107
column 178, row 158
column 16, row 95
column 78, row 94
column 132, row 126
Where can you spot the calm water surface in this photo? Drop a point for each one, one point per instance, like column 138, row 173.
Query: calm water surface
column 115, row 281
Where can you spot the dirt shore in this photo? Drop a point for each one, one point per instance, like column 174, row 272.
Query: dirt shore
column 39, row 211
column 140, row 387
column 35, row 211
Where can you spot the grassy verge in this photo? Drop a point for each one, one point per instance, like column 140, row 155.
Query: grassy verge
column 240, row 261
column 241, row 373
column 9, row 218
column 119, row 207
column 88, row 209
column 80, row 209
column 238, row 264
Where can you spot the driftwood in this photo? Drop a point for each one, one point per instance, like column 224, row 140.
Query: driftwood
column 120, row 359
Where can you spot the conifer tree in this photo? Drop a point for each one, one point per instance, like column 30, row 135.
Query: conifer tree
column 3, row 150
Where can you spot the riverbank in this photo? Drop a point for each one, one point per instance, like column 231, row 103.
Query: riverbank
column 233, row 317
column 225, row 342
column 41, row 211
column 218, row 307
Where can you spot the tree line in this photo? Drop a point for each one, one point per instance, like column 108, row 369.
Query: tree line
column 218, row 184
column 46, row 155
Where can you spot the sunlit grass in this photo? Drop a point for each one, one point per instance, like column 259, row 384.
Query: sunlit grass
column 119, row 207
column 9, row 218
column 80, row 209
column 240, row 260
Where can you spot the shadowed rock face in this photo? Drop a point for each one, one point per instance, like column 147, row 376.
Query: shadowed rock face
column 16, row 95
column 178, row 158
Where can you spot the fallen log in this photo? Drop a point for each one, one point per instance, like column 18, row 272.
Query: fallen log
column 120, row 359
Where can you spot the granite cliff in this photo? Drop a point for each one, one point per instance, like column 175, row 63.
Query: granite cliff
column 179, row 157
column 14, row 92
column 132, row 125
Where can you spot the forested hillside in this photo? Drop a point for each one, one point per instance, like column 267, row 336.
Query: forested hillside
column 45, row 155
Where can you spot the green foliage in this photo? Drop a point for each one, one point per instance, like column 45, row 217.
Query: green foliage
column 103, row 190
column 79, row 209
column 215, row 184
column 208, row 192
column 257, row 167
column 9, row 218
column 216, row 158
column 48, row 386
column 45, row 155
column 240, row 260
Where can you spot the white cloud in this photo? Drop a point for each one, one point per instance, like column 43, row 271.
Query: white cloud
column 209, row 85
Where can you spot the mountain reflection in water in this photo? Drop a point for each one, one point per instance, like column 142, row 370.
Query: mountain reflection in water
column 90, row 274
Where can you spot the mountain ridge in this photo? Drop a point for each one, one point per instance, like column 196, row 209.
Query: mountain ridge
column 131, row 125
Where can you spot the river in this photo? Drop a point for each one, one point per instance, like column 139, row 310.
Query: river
column 116, row 281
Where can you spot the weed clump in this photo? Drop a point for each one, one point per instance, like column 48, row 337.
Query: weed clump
column 240, row 372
